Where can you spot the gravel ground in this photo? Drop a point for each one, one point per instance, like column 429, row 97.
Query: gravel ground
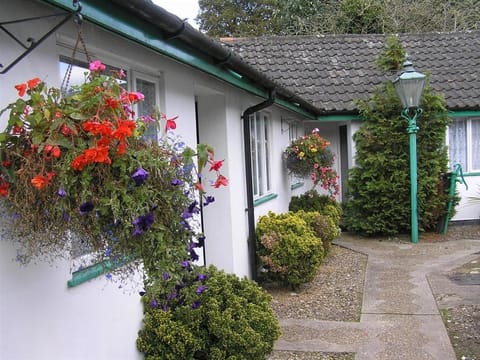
column 336, row 294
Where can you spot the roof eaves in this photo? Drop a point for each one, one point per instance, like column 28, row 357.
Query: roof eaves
column 154, row 27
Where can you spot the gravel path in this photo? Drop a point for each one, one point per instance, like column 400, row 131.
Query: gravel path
column 335, row 294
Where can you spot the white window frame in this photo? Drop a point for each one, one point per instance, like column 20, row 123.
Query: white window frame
column 156, row 80
column 468, row 167
column 294, row 131
column 261, row 147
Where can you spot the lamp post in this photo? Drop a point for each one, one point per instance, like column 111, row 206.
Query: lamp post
column 409, row 87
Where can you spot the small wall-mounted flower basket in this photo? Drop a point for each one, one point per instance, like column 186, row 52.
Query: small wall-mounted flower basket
column 310, row 156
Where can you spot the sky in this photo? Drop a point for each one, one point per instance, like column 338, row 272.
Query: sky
column 182, row 8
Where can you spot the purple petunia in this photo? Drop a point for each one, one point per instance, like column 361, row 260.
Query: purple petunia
column 140, row 176
column 196, row 304
column 153, row 303
column 202, row 277
column 61, row 192
column 86, row 207
column 193, row 255
column 142, row 223
column 176, row 182
column 166, row 276
column 208, row 200
column 200, row 289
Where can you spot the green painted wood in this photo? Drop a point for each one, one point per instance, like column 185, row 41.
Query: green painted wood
column 264, row 199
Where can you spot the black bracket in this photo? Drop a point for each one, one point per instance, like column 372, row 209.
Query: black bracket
column 32, row 43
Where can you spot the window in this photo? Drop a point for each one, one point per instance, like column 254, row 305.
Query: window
column 464, row 143
column 84, row 265
column 260, row 152
column 149, row 87
column 294, row 133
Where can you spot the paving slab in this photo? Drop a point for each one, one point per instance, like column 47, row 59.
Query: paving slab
column 400, row 316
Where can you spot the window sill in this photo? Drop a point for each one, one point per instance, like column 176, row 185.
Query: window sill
column 93, row 271
column 264, row 199
column 297, row 185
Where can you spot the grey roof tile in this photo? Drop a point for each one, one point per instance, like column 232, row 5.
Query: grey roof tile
column 331, row 71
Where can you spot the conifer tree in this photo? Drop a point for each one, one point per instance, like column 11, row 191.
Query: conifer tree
column 379, row 184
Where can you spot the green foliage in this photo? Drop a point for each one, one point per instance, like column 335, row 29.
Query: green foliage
column 231, row 319
column 308, row 17
column 219, row 18
column 288, row 249
column 323, row 226
column 313, row 201
column 393, row 54
column 360, row 17
column 379, row 184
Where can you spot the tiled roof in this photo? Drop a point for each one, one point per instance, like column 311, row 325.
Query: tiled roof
column 331, row 71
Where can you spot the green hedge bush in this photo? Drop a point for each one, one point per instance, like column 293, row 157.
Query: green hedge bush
column 287, row 248
column 313, row 201
column 323, row 226
column 209, row 315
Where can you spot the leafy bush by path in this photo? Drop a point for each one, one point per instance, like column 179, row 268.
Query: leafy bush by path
column 288, row 249
column 210, row 315
column 322, row 225
column 313, row 201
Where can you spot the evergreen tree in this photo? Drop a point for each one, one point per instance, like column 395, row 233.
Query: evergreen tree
column 379, row 184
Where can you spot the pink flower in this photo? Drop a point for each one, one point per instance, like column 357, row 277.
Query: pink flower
column 216, row 165
column 96, row 66
column 171, row 124
column 221, row 180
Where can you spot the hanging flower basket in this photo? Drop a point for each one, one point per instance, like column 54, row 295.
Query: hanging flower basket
column 80, row 165
column 310, row 156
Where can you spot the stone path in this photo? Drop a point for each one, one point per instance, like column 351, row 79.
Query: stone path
column 400, row 318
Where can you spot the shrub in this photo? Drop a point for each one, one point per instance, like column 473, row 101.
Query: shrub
column 323, row 226
column 379, row 184
column 313, row 201
column 210, row 315
column 288, row 249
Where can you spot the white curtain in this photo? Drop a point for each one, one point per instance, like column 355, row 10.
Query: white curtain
column 457, row 143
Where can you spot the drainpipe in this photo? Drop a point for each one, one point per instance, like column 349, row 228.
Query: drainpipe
column 252, row 245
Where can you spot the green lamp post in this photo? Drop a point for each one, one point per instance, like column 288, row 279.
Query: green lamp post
column 409, row 87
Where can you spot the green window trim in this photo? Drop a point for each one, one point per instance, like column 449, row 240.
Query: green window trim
column 297, row 185
column 264, row 199
column 94, row 271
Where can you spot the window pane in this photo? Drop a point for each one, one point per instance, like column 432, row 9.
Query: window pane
column 147, row 106
column 457, row 141
column 253, row 153
column 475, row 145
column 260, row 153
column 267, row 153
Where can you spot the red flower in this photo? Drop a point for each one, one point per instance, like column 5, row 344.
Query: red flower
column 135, row 96
column 21, row 88
column 6, row 163
column 199, row 187
column 41, row 181
column 33, row 83
column 79, row 162
column 56, row 152
column 4, row 185
column 171, row 124
column 98, row 155
column 216, row 165
column 98, row 128
column 221, row 180
column 125, row 129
